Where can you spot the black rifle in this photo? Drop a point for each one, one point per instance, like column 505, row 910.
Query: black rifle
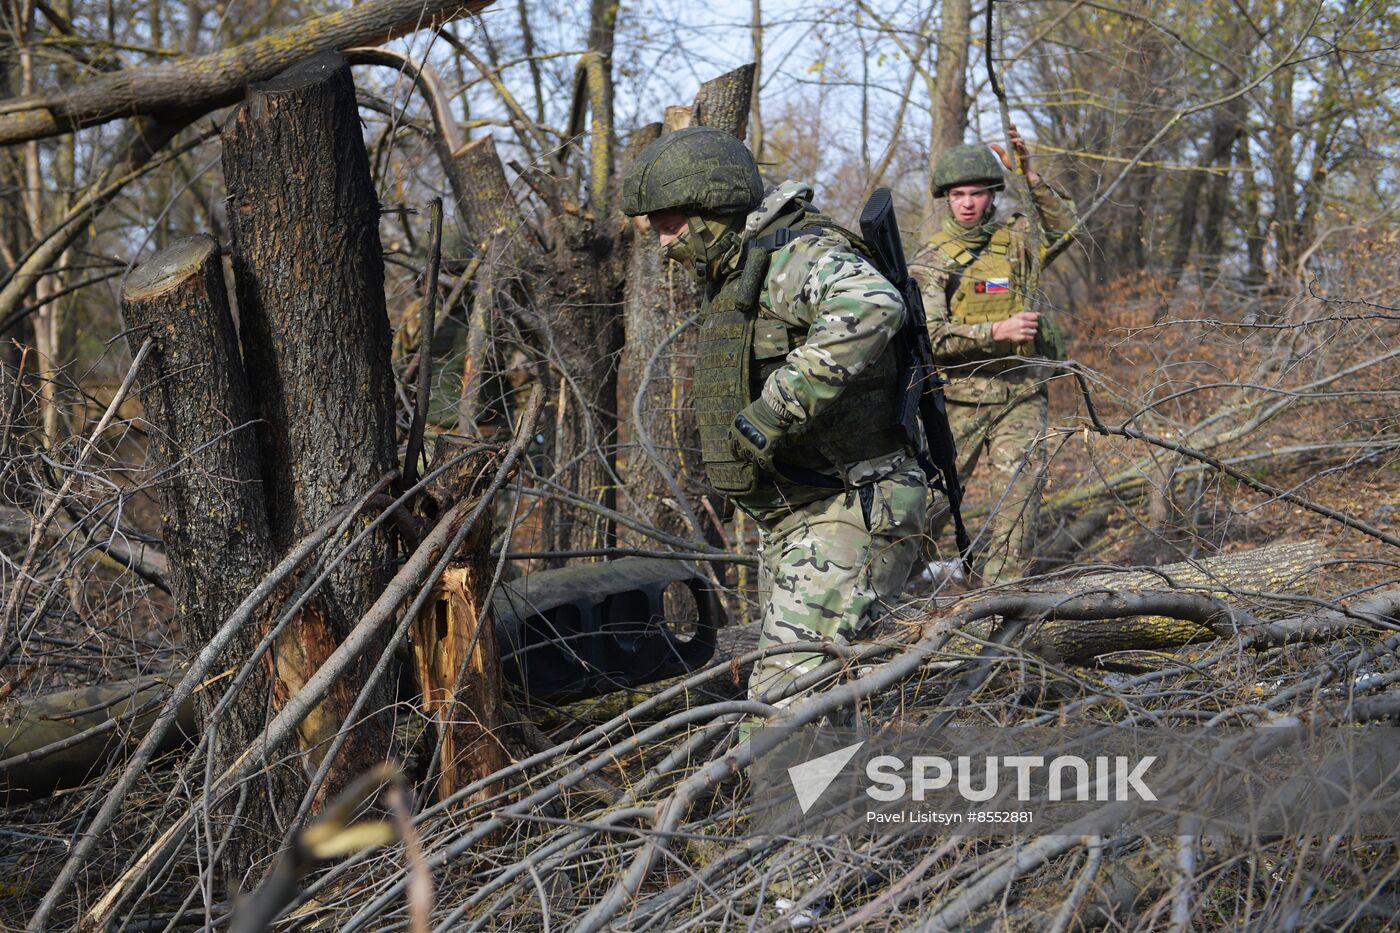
column 921, row 391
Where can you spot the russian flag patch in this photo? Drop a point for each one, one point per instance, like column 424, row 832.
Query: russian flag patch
column 998, row 285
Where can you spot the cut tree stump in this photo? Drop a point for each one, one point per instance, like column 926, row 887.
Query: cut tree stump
column 309, row 274
column 214, row 522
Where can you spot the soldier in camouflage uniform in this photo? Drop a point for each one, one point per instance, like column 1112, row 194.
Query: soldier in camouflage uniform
column 795, row 389
column 972, row 277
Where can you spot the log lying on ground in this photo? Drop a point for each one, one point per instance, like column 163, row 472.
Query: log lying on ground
column 1277, row 568
column 62, row 740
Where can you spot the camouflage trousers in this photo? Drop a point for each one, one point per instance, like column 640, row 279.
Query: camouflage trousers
column 828, row 569
column 1009, row 436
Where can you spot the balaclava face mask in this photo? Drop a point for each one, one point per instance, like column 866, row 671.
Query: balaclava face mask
column 705, row 244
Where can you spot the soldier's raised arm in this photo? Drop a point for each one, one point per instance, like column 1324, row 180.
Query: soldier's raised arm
column 1054, row 208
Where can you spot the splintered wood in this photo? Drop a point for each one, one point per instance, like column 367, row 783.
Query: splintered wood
column 458, row 666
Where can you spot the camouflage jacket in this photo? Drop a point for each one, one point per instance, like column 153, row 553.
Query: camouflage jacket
column 844, row 315
column 965, row 351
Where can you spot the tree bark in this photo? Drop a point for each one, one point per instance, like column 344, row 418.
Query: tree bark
column 756, row 47
column 1278, row 568
column 207, row 82
column 309, row 275
column 579, row 317
column 602, row 32
column 950, row 81
column 660, row 296
column 585, row 329
column 458, row 663
column 497, row 236
column 31, row 728
column 1215, row 208
column 1283, row 167
column 214, row 523
column 1223, row 130
column 724, row 102
column 950, row 77
column 489, row 211
column 1252, row 219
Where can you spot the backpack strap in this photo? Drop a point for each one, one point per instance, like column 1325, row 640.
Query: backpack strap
column 779, row 238
column 783, row 236
column 772, row 242
column 957, row 255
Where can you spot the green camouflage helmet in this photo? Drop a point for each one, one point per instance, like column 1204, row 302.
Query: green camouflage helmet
column 966, row 165
column 698, row 170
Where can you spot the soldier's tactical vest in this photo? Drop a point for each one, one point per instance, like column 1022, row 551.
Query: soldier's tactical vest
column 737, row 352
column 988, row 290
column 991, row 289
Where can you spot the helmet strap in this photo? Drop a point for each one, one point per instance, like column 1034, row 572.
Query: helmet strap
column 705, row 244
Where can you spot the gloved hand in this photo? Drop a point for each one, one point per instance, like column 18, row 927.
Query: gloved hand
column 756, row 432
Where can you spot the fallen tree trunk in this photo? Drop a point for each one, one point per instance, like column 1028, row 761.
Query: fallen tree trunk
column 64, row 739
column 1278, row 568
column 1229, row 577
column 206, row 82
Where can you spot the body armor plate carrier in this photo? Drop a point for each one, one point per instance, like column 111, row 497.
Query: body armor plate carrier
column 733, row 365
column 722, row 374
column 985, row 285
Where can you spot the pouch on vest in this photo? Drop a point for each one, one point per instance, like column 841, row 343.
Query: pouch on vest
column 722, row 374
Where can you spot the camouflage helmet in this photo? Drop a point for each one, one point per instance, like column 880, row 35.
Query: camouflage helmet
column 698, row 170
column 965, row 165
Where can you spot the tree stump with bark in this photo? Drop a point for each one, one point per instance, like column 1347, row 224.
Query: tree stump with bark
column 456, row 656
column 657, row 361
column 195, row 394
column 309, row 275
column 457, row 661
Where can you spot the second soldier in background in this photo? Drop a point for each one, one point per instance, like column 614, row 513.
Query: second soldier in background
column 984, row 332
